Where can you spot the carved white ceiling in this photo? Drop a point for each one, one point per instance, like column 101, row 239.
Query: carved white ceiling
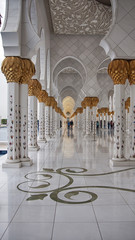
column 69, row 79
column 80, row 17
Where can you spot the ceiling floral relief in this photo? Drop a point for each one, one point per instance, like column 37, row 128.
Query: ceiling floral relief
column 80, row 17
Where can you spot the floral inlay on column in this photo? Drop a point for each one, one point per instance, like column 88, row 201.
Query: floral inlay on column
column 42, row 98
column 88, row 104
column 47, row 117
column 12, row 69
column 95, row 101
column 84, row 116
column 118, row 70
column 34, row 91
column 132, row 108
column 28, row 70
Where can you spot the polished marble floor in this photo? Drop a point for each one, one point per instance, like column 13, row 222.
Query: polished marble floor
column 69, row 193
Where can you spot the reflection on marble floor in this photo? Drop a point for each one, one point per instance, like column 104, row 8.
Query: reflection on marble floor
column 70, row 192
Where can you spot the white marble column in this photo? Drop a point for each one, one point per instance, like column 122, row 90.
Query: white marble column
column 119, row 130
column 42, row 96
column 94, row 119
column 91, row 118
column 126, row 110
column 78, row 120
column 84, row 121
column 75, row 120
column 58, row 121
column 106, row 120
column 102, row 120
column 53, row 116
column 32, row 123
column 28, row 70
column 23, row 125
column 118, row 70
column 132, row 110
column 47, row 122
column 13, row 147
column 87, row 120
column 12, row 69
column 51, row 121
column 41, row 122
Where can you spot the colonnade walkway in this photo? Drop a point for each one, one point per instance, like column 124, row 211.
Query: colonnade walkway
column 70, row 192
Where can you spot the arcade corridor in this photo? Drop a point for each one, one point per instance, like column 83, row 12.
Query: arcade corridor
column 70, row 192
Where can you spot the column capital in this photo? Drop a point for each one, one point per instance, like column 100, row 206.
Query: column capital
column 88, row 101
column 99, row 111
column 34, row 87
column 83, row 104
column 95, row 101
column 104, row 110
column 131, row 72
column 42, row 96
column 48, row 101
column 54, row 105
column 28, row 70
column 12, row 69
column 112, row 112
column 118, row 70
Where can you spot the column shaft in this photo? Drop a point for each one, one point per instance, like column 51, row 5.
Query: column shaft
column 32, row 123
column 119, row 130
column 42, row 122
column 87, row 120
column 132, row 122
column 23, row 123
column 47, row 122
column 13, row 147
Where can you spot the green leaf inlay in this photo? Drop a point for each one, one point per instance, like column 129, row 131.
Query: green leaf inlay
column 71, row 171
column 41, row 186
column 46, row 175
column 48, row 169
column 70, row 194
column 36, row 197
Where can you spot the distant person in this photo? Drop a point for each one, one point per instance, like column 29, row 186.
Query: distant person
column 68, row 125
column 71, row 124
column 97, row 124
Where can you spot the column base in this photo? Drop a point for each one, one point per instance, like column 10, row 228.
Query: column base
column 42, row 140
column 115, row 162
column 27, row 163
column 11, row 165
column 48, row 138
column 132, row 159
column 34, row 148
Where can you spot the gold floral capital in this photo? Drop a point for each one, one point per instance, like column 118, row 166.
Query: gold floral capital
column 28, row 70
column 118, row 70
column 12, row 69
column 88, row 101
column 79, row 110
column 83, row 104
column 34, row 87
column 95, row 101
column 42, row 96
column 48, row 101
column 131, row 72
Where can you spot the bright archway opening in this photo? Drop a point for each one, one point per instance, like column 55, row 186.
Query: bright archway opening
column 68, row 106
